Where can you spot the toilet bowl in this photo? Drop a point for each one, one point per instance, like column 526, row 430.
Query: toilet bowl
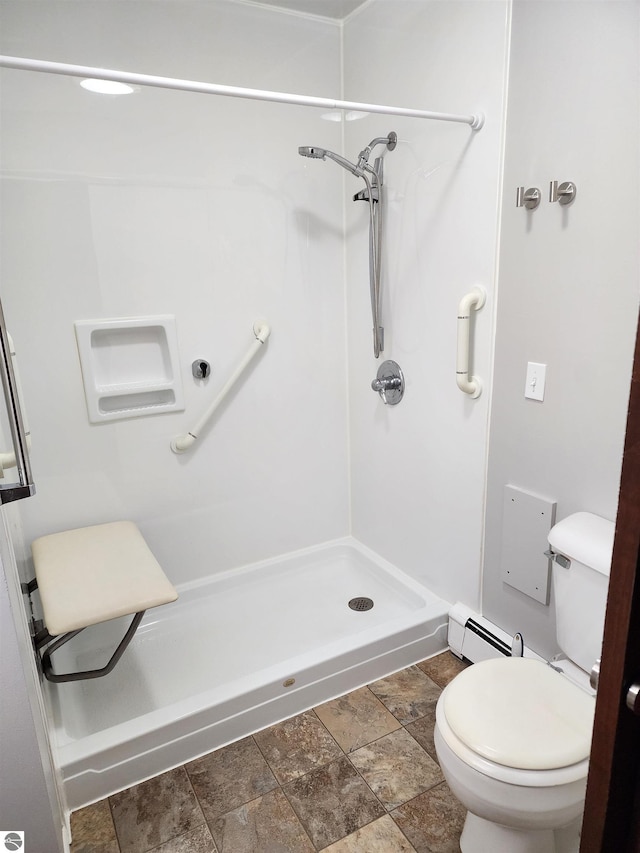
column 516, row 755
column 513, row 734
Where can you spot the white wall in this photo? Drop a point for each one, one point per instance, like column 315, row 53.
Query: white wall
column 568, row 277
column 200, row 207
column 418, row 469
column 28, row 795
column 191, row 205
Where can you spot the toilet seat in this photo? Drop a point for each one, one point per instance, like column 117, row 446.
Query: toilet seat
column 519, row 721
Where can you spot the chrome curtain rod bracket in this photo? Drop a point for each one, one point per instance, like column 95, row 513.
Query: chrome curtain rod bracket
column 132, row 78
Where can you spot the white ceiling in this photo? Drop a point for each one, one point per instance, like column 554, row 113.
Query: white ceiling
column 337, row 9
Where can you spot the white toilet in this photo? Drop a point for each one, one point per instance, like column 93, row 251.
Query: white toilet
column 513, row 734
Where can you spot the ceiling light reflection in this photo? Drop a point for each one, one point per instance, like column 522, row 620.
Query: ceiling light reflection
column 106, row 87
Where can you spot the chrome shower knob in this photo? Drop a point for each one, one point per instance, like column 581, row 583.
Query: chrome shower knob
column 389, row 383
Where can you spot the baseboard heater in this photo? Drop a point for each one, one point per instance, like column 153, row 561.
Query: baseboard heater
column 473, row 638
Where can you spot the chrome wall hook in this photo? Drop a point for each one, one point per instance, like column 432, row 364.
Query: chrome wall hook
column 529, row 198
column 563, row 193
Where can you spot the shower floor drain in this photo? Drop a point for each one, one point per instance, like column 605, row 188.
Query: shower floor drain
column 361, row 603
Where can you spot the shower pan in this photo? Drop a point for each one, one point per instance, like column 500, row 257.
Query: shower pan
column 218, row 664
column 372, row 194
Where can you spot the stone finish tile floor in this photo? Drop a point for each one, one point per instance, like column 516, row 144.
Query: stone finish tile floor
column 358, row 774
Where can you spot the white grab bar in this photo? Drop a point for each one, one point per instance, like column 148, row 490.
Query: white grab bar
column 8, row 458
column 471, row 385
column 182, row 443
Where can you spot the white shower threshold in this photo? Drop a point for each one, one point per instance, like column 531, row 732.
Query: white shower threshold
column 237, row 652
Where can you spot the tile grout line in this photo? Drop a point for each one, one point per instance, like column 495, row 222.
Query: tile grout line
column 403, row 727
column 387, row 812
column 346, row 754
column 113, row 821
column 173, row 837
column 281, row 787
column 197, row 799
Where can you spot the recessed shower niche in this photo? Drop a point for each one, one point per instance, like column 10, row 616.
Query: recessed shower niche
column 130, row 367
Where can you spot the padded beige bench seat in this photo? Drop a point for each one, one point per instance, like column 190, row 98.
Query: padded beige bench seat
column 93, row 574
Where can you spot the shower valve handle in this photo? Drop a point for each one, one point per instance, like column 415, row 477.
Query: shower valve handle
column 389, row 383
column 200, row 369
column 386, row 383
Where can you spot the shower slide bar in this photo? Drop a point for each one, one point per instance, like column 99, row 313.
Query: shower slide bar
column 182, row 443
column 475, row 299
column 132, row 78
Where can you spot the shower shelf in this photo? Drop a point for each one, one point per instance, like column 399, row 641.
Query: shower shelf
column 129, row 367
column 133, row 78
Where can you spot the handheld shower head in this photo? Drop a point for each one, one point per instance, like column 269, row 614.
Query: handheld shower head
column 358, row 169
column 312, row 151
column 323, row 153
column 372, row 176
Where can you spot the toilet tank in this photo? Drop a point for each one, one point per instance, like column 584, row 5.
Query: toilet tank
column 580, row 591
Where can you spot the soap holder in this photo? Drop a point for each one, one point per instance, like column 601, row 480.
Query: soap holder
column 130, row 367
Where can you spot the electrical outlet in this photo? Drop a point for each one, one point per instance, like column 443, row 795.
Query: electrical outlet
column 536, row 377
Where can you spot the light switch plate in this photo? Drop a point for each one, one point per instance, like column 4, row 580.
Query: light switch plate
column 536, row 378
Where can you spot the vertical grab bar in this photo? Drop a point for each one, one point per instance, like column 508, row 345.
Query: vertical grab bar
column 25, row 486
column 471, row 385
column 182, row 443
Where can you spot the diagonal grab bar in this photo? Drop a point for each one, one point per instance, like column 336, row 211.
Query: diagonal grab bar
column 182, row 443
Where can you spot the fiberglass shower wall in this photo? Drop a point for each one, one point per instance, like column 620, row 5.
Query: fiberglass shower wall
column 568, row 276
column 196, row 206
column 418, row 469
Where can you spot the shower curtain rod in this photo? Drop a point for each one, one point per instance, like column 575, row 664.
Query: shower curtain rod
column 24, row 64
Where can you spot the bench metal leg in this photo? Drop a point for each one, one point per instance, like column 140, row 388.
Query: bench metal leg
column 47, row 668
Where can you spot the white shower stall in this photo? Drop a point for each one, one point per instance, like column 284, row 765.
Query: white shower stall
column 305, row 489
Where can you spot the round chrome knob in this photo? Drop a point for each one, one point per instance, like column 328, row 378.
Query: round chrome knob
column 389, row 383
column 633, row 698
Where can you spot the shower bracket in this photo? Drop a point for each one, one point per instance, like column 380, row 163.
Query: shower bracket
column 376, row 183
column 43, row 638
column 363, row 195
column 45, row 644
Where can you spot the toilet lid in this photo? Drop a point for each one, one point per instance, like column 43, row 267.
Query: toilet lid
column 519, row 712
